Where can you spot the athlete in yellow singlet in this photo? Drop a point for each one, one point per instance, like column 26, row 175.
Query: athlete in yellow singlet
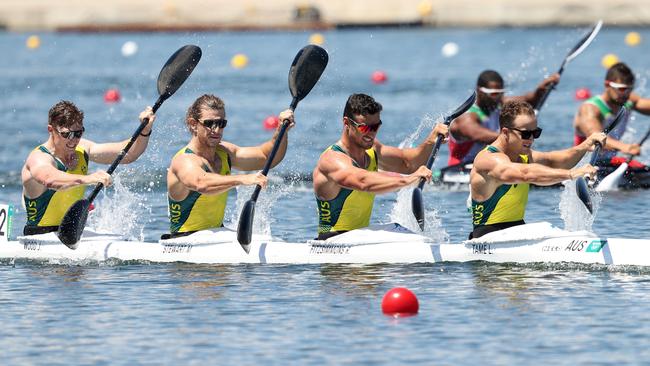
column 56, row 172
column 199, row 178
column 348, row 175
column 503, row 170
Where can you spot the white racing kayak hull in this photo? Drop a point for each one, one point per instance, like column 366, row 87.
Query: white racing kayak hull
column 390, row 243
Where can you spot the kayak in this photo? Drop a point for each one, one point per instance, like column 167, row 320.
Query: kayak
column 458, row 177
column 388, row 243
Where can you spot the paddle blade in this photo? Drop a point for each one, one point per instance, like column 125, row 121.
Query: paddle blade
column 417, row 205
column 177, row 69
column 610, row 182
column 461, row 109
column 245, row 227
column 584, row 42
column 306, row 69
column 73, row 223
column 583, row 193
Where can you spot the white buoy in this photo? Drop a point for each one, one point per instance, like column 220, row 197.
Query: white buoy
column 450, row 49
column 129, row 48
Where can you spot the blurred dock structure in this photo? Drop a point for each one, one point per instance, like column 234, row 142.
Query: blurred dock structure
column 209, row 15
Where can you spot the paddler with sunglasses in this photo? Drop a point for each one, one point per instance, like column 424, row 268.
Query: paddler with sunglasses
column 348, row 175
column 469, row 133
column 504, row 169
column 199, row 176
column 56, row 172
column 597, row 112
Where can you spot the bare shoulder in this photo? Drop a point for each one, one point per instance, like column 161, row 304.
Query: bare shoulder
column 228, row 147
column 487, row 160
column 331, row 161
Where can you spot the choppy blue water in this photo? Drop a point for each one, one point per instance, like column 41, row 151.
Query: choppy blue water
column 141, row 313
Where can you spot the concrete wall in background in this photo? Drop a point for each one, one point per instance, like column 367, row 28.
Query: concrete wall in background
column 24, row 15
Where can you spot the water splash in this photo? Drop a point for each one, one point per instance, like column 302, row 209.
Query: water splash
column 120, row 211
column 573, row 211
column 402, row 212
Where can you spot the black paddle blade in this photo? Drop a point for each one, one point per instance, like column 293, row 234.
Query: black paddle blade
column 177, row 69
column 73, row 223
column 583, row 193
column 461, row 109
column 245, row 227
column 306, row 69
column 418, row 207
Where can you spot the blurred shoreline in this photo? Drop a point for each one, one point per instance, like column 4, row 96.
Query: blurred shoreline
column 216, row 15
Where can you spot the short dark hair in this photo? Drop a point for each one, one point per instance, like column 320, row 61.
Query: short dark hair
column 487, row 76
column 511, row 109
column 620, row 72
column 204, row 101
column 361, row 104
column 65, row 114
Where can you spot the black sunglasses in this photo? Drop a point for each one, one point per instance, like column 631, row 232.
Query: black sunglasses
column 364, row 127
column 71, row 134
column 213, row 124
column 528, row 134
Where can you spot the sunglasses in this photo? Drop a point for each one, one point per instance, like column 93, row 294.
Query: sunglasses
column 619, row 86
column 528, row 134
column 365, row 128
column 491, row 92
column 213, row 124
column 69, row 135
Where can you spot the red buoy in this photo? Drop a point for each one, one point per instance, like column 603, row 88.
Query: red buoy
column 112, row 96
column 583, row 94
column 400, row 302
column 271, row 122
column 378, row 77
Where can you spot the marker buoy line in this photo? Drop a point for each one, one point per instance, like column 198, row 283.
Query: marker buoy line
column 583, row 94
column 271, row 122
column 112, row 96
column 378, row 77
column 400, row 302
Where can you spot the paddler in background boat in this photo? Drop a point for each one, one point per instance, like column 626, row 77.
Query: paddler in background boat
column 479, row 126
column 503, row 170
column 199, row 178
column 56, row 172
column 597, row 112
column 347, row 175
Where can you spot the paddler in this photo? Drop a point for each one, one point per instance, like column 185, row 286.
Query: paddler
column 503, row 170
column 597, row 112
column 347, row 175
column 56, row 172
column 199, row 176
column 479, row 126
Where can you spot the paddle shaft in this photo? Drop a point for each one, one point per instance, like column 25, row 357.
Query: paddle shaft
column 645, row 137
column 126, row 149
column 432, row 158
column 274, row 150
column 549, row 89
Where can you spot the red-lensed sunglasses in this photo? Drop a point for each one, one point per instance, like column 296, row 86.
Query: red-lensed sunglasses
column 364, row 127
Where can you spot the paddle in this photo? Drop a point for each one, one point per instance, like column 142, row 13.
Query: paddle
column 417, row 204
column 610, row 182
column 581, row 185
column 175, row 71
column 306, row 69
column 575, row 51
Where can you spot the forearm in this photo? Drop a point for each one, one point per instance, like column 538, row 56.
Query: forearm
column 62, row 181
column 543, row 175
column 212, row 184
column 267, row 147
column 415, row 157
column 566, row 159
column 377, row 182
column 138, row 147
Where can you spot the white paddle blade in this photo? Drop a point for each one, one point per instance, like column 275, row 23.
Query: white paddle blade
column 586, row 42
column 610, row 182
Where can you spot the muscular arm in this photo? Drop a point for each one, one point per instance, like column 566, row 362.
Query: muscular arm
column 641, row 105
column 338, row 168
column 254, row 157
column 589, row 121
column 534, row 96
column 408, row 160
column 568, row 158
column 499, row 167
column 188, row 170
column 40, row 167
column 469, row 127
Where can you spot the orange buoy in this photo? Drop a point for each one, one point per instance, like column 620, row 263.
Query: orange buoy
column 112, row 96
column 271, row 122
column 583, row 94
column 378, row 77
column 400, row 302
